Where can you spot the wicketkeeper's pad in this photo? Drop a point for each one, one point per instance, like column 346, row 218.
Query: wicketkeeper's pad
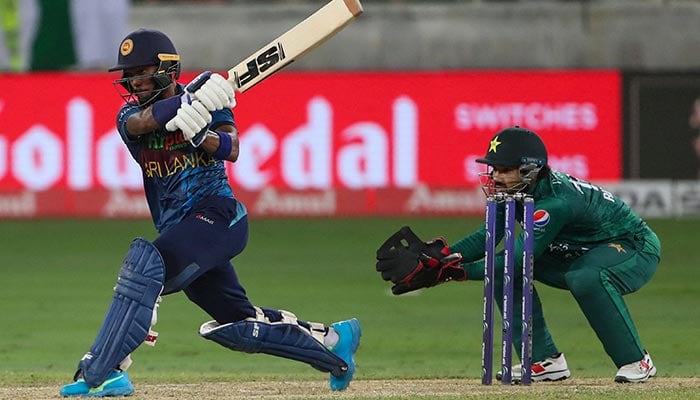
column 128, row 319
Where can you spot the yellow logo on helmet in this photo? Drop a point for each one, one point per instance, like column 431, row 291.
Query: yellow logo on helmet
column 126, row 47
column 494, row 144
column 168, row 57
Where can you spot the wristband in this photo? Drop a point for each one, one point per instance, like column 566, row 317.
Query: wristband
column 165, row 110
column 225, row 146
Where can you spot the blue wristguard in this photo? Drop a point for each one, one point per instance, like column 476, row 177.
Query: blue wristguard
column 165, row 110
column 225, row 146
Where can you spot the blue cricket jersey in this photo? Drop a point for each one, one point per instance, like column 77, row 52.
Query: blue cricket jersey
column 176, row 175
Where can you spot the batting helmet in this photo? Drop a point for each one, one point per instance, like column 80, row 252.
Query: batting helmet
column 145, row 47
column 515, row 147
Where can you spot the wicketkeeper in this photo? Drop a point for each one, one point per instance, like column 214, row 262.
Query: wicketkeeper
column 587, row 241
column 181, row 136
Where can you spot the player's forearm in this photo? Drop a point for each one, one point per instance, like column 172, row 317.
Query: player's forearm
column 141, row 123
column 471, row 247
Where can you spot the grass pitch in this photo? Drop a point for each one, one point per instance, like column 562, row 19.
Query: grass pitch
column 57, row 277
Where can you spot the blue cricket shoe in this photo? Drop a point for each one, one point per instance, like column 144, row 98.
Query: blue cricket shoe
column 349, row 332
column 116, row 384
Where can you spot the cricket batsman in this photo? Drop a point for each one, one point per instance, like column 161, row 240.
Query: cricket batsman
column 181, row 136
column 587, row 241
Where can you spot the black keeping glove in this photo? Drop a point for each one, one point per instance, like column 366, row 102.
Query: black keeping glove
column 409, row 263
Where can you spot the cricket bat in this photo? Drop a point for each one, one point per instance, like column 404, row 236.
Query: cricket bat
column 295, row 43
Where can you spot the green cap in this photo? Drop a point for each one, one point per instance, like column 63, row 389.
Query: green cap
column 515, row 146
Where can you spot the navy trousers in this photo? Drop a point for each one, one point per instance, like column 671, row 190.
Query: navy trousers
column 197, row 253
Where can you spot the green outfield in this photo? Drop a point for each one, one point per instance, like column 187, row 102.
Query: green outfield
column 57, row 277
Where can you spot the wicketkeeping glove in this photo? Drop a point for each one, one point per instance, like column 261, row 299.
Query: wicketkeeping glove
column 410, row 264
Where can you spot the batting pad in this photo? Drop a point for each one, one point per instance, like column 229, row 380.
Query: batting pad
column 128, row 319
column 277, row 339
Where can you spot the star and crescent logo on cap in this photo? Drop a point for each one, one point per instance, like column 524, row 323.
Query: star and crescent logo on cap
column 494, row 144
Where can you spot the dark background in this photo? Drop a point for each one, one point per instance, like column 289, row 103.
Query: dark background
column 658, row 138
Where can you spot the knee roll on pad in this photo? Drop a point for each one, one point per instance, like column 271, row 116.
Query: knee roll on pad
column 278, row 339
column 130, row 314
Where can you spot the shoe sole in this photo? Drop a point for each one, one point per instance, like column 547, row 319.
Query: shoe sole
column 105, row 393
column 551, row 377
column 114, row 393
column 548, row 377
column 125, row 390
